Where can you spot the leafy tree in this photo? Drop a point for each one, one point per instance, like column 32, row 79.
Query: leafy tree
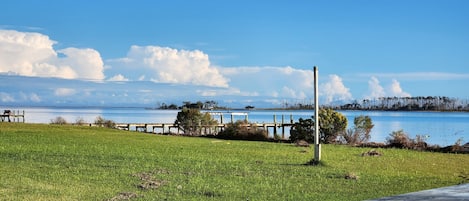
column 191, row 121
column 331, row 124
column 302, row 130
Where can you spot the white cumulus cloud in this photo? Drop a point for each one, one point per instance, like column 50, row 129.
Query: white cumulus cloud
column 278, row 82
column 396, row 90
column 32, row 54
column 334, row 90
column 168, row 65
column 118, row 77
column 64, row 91
column 375, row 89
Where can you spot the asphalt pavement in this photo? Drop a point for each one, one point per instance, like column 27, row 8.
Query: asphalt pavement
column 450, row 193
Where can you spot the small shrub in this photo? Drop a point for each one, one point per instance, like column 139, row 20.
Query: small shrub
column 419, row 143
column 109, row 124
column 351, row 136
column 80, row 121
column 360, row 133
column 457, row 147
column 100, row 121
column 58, row 120
column 241, row 130
column 399, row 139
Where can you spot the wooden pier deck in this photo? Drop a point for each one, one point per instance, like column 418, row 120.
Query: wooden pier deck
column 165, row 128
column 12, row 116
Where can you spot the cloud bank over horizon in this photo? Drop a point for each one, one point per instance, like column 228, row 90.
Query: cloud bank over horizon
column 33, row 55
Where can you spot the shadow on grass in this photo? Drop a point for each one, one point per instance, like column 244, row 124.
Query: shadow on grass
column 312, row 162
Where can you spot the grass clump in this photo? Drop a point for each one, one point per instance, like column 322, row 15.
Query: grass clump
column 65, row 162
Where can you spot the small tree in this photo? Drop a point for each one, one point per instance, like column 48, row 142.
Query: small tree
column 331, row 125
column 80, row 121
column 59, row 120
column 100, row 121
column 302, row 130
column 360, row 133
column 191, row 120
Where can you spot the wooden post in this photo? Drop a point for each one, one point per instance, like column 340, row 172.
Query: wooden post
column 283, row 127
column 275, row 125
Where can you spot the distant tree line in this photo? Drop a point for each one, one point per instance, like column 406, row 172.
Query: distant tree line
column 419, row 103
column 207, row 105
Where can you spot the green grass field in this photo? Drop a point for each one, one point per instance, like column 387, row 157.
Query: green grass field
column 52, row 162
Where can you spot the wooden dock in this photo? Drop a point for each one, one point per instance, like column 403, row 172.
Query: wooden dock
column 166, row 128
column 172, row 128
column 12, row 116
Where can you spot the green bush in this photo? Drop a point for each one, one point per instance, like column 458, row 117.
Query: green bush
column 302, row 130
column 331, row 125
column 242, row 130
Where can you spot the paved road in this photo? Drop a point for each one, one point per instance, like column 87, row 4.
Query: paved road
column 451, row 193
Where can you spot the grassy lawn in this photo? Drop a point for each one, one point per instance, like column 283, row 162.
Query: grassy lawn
column 52, row 162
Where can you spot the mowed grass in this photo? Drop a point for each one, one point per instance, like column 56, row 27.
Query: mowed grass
column 52, row 162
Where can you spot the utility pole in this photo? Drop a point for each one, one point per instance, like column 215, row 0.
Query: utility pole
column 317, row 145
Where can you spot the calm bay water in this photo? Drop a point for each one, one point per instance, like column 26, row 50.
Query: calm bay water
column 442, row 128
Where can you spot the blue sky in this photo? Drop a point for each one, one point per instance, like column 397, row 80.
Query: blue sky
column 127, row 52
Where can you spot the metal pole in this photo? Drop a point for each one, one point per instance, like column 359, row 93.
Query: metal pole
column 317, row 145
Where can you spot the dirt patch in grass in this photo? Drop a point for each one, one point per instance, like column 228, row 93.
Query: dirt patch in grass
column 351, row 176
column 124, row 196
column 149, row 181
column 211, row 194
column 371, row 153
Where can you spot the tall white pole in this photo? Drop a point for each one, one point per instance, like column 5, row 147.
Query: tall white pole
column 317, row 145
